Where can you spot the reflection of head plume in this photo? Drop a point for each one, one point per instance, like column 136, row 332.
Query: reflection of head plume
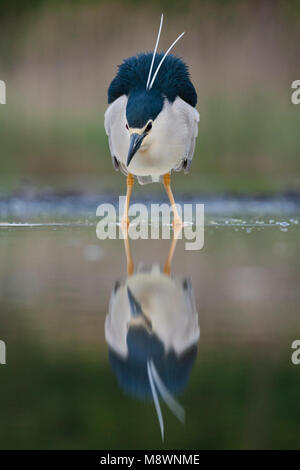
column 149, row 371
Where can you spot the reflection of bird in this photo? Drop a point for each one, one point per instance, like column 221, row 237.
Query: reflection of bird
column 152, row 122
column 152, row 331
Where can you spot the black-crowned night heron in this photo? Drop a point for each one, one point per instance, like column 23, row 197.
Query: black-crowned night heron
column 152, row 331
column 151, row 121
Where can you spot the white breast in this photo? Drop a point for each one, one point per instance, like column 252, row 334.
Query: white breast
column 169, row 142
column 169, row 306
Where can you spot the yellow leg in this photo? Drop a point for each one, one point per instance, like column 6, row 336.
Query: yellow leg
column 130, row 183
column 167, row 184
column 167, row 266
column 130, row 265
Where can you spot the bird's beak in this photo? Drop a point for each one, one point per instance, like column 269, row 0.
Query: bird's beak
column 137, row 312
column 135, row 143
column 135, row 308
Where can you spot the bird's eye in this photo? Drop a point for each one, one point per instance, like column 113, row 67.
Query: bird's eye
column 126, row 126
column 149, row 127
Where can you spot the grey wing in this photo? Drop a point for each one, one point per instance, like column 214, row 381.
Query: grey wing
column 111, row 116
column 107, row 125
column 114, row 159
column 191, row 310
column 194, row 118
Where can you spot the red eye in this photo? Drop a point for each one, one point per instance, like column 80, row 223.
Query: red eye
column 149, row 127
column 126, row 126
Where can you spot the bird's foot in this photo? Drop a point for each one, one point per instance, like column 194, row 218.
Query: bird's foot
column 125, row 222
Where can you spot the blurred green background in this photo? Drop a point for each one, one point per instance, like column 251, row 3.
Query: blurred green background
column 58, row 58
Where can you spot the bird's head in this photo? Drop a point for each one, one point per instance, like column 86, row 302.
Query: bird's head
column 142, row 109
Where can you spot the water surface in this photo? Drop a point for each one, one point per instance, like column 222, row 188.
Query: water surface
column 239, row 388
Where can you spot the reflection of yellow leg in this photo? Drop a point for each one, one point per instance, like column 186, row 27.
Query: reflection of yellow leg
column 167, row 184
column 130, row 183
column 130, row 266
column 167, row 266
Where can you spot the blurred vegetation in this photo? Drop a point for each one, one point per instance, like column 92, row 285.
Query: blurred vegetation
column 58, row 58
column 242, row 146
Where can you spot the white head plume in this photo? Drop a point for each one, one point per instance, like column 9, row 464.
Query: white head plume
column 149, row 86
column 155, row 49
column 156, row 382
column 156, row 400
